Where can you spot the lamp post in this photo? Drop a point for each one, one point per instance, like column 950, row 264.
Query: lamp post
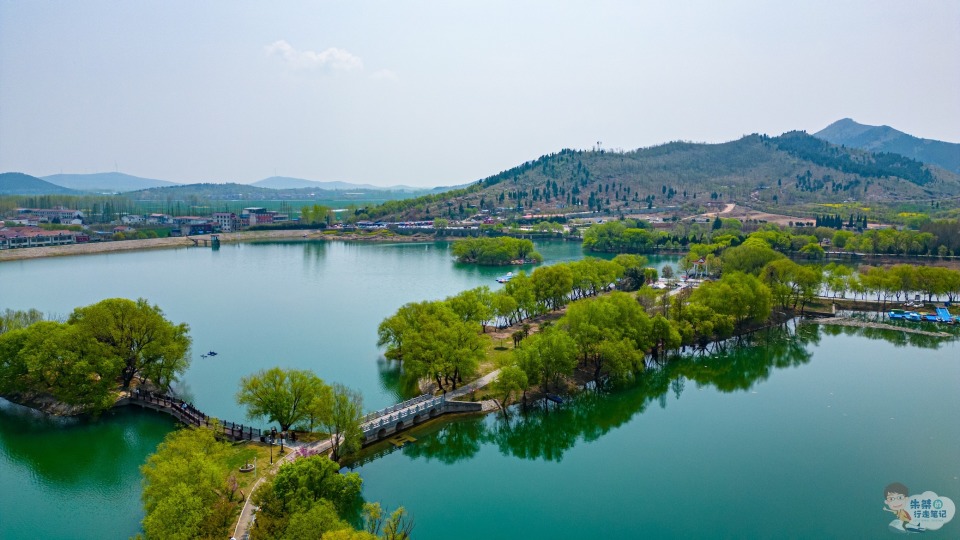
column 273, row 437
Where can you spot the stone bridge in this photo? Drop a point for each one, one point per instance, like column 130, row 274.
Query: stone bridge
column 396, row 418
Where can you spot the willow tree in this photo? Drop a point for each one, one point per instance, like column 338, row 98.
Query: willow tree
column 137, row 333
column 279, row 395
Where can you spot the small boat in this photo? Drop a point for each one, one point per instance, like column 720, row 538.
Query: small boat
column 896, row 314
column 212, row 353
column 913, row 316
column 505, row 278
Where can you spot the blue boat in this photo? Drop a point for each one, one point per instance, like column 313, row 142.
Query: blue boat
column 913, row 316
column 896, row 314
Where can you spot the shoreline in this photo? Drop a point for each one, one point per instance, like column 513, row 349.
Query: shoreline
column 115, row 246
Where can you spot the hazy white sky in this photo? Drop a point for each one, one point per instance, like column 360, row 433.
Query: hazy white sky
column 439, row 93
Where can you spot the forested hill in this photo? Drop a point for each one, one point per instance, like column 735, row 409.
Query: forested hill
column 792, row 169
column 14, row 183
column 887, row 139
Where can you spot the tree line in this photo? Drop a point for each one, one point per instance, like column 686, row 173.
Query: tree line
column 936, row 238
column 500, row 250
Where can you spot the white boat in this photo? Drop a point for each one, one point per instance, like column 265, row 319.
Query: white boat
column 505, row 278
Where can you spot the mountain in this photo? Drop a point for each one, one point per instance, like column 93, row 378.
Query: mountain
column 14, row 183
column 113, row 182
column 773, row 173
column 886, row 139
column 284, row 182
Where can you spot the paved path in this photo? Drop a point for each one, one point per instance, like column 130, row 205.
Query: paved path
column 475, row 385
column 242, row 530
column 843, row 321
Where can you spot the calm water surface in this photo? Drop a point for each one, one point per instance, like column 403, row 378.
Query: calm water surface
column 794, row 437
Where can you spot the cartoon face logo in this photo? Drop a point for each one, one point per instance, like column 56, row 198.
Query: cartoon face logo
column 917, row 513
column 896, row 501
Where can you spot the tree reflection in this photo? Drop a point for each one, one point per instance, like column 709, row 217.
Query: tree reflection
column 547, row 433
column 101, row 452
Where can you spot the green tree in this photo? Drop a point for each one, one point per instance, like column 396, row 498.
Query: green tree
column 473, row 305
column 342, row 421
column 552, row 286
column 547, row 355
column 16, row 319
column 633, row 271
column 137, row 333
column 308, row 492
column 184, row 486
column 510, row 380
column 279, row 395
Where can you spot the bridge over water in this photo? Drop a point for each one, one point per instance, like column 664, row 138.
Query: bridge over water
column 376, row 425
column 190, row 415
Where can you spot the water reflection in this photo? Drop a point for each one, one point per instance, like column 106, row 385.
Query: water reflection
column 546, row 433
column 41, row 443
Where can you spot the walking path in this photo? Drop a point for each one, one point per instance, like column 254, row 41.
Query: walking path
column 247, row 513
column 475, row 385
column 843, row 321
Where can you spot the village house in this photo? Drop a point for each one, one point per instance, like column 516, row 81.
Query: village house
column 22, row 237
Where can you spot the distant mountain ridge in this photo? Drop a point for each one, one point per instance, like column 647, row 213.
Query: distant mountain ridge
column 848, row 132
column 793, row 170
column 106, row 181
column 286, row 182
column 15, row 183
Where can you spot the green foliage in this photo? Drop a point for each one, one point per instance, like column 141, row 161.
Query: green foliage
column 81, row 361
column 742, row 296
column 865, row 164
column 634, row 271
column 185, row 489
column 11, row 319
column 306, row 499
column 432, row 340
column 512, row 378
column 749, row 257
column 342, row 421
column 148, row 345
column 494, row 251
column 611, row 332
column 627, row 236
column 544, row 357
column 281, row 396
column 552, row 286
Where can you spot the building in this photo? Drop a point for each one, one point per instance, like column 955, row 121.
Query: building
column 57, row 214
column 23, row 237
column 226, row 221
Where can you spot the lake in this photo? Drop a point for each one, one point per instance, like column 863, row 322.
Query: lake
column 794, row 436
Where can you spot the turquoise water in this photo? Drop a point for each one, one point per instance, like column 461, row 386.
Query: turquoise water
column 63, row 479
column 793, row 437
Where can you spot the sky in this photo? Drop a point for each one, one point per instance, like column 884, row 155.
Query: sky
column 429, row 93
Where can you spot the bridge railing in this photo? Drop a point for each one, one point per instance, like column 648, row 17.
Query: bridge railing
column 397, row 407
column 190, row 415
column 402, row 414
